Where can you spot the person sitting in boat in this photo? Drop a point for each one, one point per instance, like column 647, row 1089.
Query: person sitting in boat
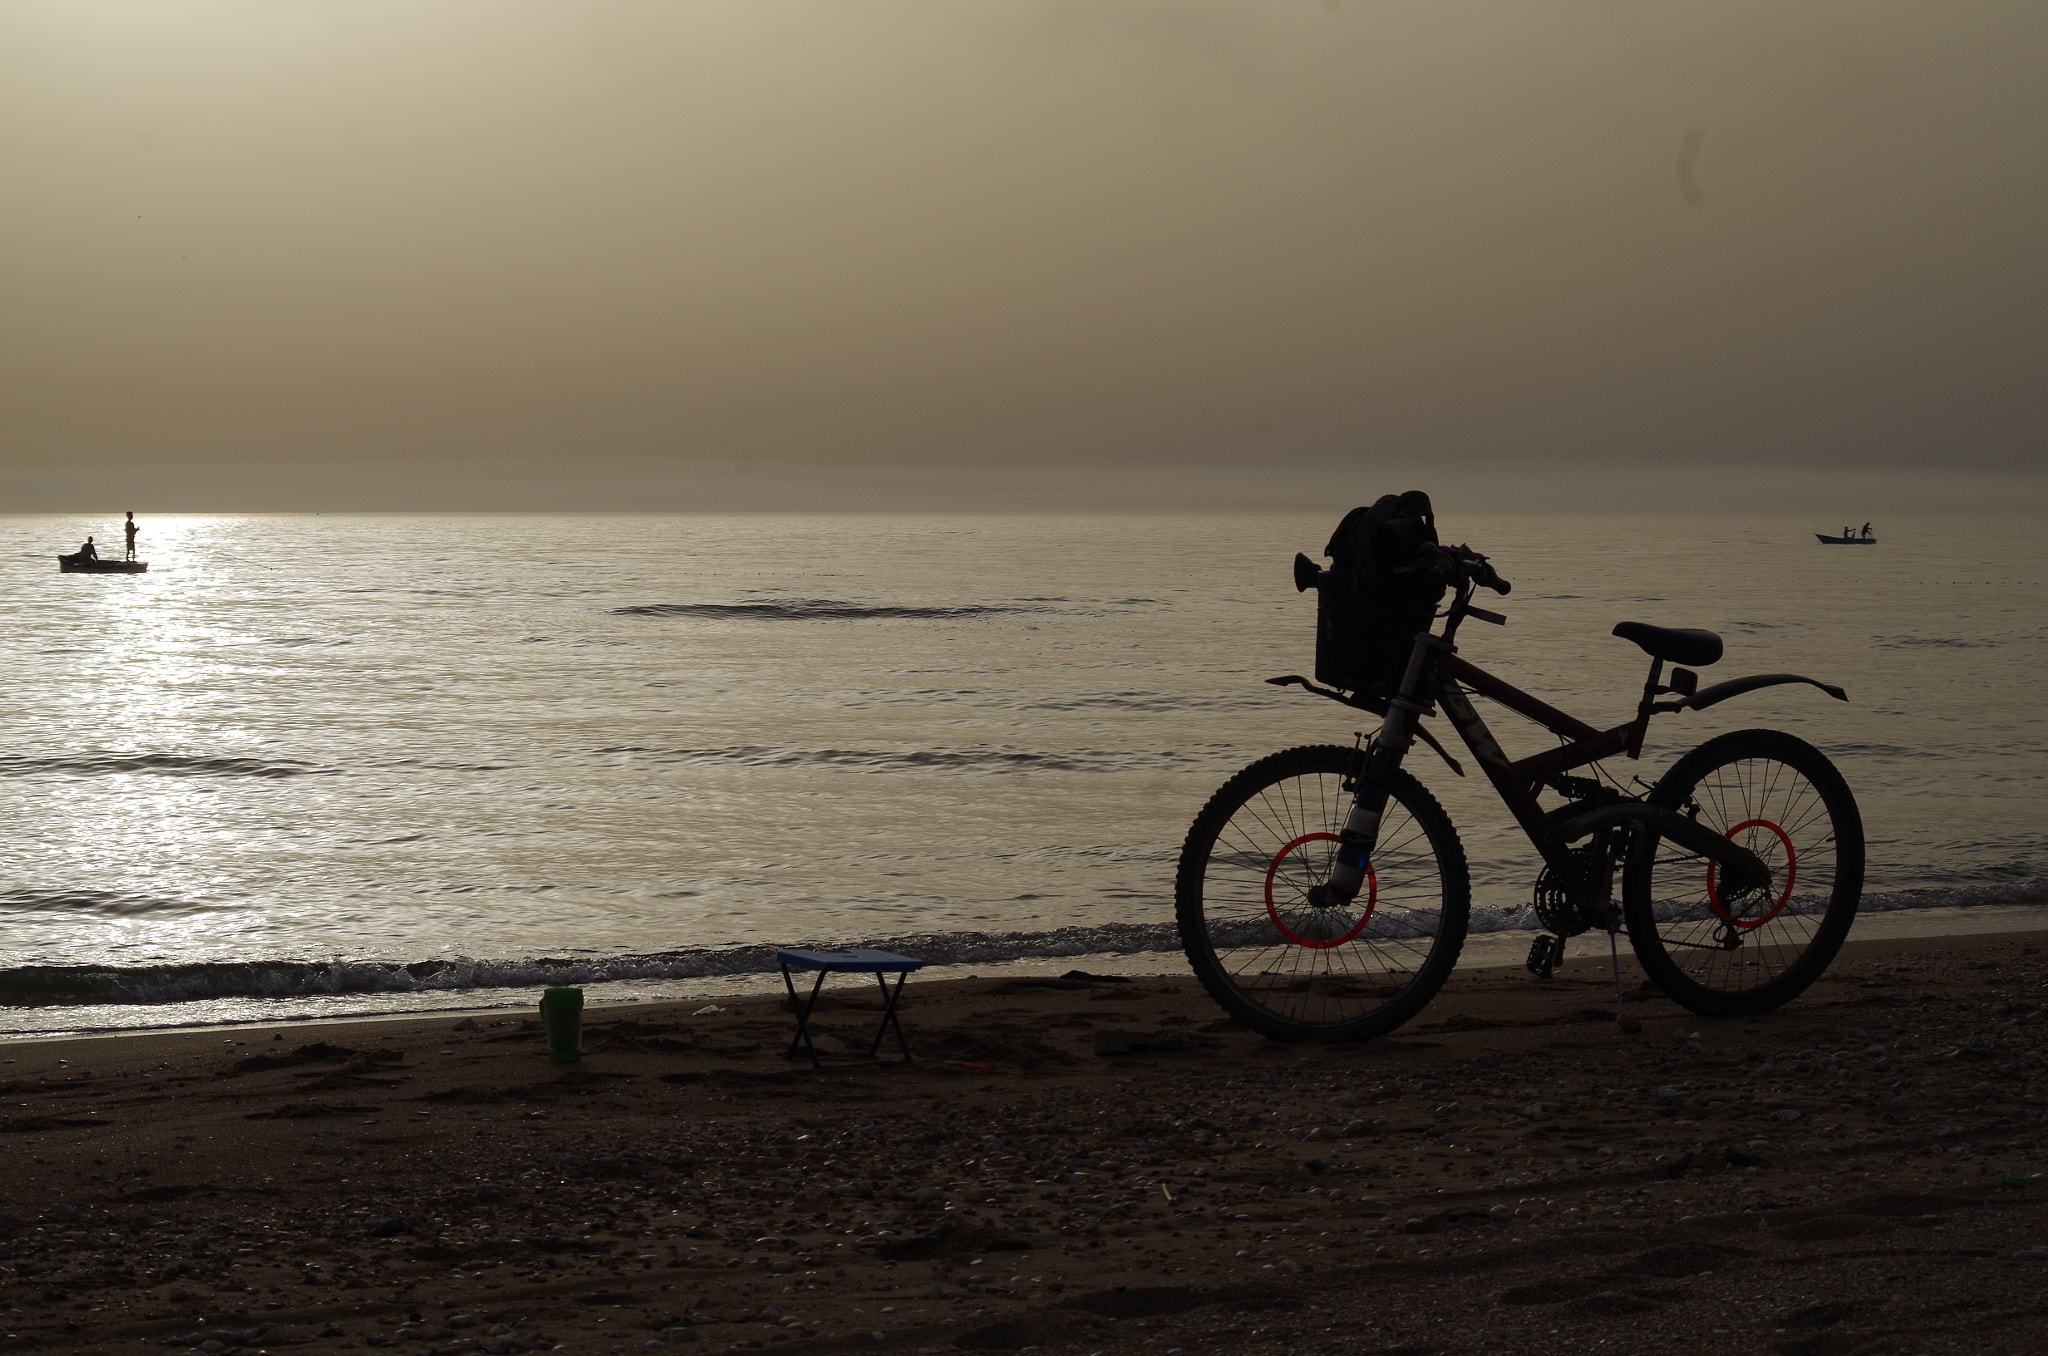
column 131, row 530
column 88, row 551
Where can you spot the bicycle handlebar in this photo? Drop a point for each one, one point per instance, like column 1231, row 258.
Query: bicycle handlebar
column 1466, row 564
column 1474, row 567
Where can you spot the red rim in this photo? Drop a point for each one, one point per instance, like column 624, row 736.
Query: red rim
column 1791, row 875
column 1372, row 893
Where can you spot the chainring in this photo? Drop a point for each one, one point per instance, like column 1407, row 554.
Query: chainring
column 1577, row 895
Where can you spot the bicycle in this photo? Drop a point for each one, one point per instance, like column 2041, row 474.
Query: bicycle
column 1323, row 892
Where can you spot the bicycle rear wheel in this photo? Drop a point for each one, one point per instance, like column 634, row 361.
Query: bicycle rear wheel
column 1722, row 954
column 1285, row 967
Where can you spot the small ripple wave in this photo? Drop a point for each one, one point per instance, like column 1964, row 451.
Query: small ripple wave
column 814, row 609
column 1933, row 642
column 96, row 903
column 996, row 760
column 162, row 764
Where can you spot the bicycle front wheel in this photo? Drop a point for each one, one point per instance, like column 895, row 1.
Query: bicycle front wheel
column 1290, row 969
column 1723, row 954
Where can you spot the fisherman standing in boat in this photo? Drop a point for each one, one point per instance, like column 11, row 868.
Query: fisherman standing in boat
column 88, row 551
column 132, row 529
column 1866, row 529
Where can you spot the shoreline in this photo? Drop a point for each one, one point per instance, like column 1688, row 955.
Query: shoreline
column 1487, row 950
column 1078, row 1167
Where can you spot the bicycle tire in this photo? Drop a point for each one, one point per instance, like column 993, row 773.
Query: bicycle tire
column 1781, row 798
column 1295, row 972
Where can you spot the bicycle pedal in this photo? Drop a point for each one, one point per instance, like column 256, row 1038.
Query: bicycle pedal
column 1544, row 954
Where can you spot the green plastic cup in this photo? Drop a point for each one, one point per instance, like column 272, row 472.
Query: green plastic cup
column 561, row 1013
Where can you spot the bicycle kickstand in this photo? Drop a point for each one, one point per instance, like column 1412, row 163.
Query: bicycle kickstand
column 1633, row 1026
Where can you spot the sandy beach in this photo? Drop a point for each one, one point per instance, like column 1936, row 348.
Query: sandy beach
column 1069, row 1166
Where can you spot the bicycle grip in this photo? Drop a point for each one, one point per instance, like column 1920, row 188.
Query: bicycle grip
column 1482, row 573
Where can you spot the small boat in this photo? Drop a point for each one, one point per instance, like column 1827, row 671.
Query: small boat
column 1826, row 540
column 80, row 563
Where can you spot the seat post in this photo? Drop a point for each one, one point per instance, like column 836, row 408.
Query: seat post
column 1641, row 725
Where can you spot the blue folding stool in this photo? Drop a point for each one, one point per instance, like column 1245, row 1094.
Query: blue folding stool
column 857, row 961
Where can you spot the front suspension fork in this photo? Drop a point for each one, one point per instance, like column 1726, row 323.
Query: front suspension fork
column 1361, row 831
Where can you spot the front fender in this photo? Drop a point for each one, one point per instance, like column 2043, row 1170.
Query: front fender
column 1735, row 687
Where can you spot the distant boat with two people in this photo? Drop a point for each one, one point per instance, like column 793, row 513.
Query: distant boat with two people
column 88, row 560
column 1851, row 536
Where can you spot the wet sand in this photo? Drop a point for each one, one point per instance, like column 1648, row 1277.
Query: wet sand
column 1070, row 1166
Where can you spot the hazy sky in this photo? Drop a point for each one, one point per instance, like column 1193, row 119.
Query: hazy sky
column 356, row 253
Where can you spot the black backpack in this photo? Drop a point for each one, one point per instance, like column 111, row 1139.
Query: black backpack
column 1383, row 585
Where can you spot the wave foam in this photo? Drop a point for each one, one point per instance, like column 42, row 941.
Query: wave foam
column 53, row 984
column 64, row 985
column 2027, row 890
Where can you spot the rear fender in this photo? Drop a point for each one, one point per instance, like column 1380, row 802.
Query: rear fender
column 1735, row 687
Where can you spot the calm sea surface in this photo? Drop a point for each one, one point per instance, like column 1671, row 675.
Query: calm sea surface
column 309, row 757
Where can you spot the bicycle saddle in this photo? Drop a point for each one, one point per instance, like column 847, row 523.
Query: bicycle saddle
column 1678, row 645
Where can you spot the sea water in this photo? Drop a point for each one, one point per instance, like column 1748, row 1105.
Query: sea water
column 349, row 763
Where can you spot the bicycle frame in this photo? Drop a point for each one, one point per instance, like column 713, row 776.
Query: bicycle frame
column 1437, row 677
column 1519, row 783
